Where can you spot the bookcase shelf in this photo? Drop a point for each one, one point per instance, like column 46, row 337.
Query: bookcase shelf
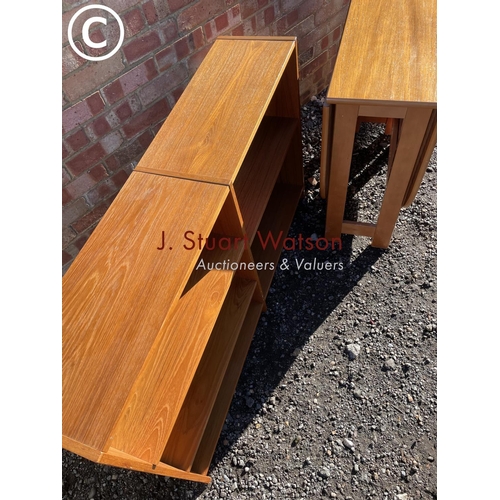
column 160, row 306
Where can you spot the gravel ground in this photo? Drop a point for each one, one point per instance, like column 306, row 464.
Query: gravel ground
column 338, row 395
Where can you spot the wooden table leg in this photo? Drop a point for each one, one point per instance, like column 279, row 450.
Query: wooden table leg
column 344, row 129
column 413, row 132
column 326, row 149
column 428, row 146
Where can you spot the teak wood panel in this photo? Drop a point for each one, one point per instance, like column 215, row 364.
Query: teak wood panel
column 114, row 304
column 261, row 168
column 387, row 53
column 221, row 406
column 209, row 131
column 156, row 398
column 278, row 215
column 195, row 412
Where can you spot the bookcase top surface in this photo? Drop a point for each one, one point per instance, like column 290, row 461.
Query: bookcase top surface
column 210, row 129
column 120, row 290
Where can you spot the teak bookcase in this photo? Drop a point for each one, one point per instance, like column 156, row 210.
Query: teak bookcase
column 153, row 341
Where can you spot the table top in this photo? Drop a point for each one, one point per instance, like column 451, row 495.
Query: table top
column 387, row 54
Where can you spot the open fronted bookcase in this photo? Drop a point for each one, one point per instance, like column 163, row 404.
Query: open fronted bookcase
column 160, row 306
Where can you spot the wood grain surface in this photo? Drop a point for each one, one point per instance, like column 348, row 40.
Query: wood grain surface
column 114, row 302
column 207, row 134
column 152, row 347
column 387, row 53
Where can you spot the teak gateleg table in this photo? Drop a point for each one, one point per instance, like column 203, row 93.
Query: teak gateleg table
column 385, row 69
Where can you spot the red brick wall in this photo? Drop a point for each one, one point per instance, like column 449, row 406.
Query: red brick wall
column 112, row 108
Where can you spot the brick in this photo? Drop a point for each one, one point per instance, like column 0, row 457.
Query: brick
column 324, row 42
column 80, row 242
column 80, row 186
column 248, row 8
column 112, row 163
column 305, row 56
column 126, row 155
column 111, row 142
column 303, row 28
column 197, row 58
column 150, row 12
column 267, row 30
column 145, row 139
column 263, row 29
column 133, row 22
column 333, row 51
column 66, row 178
column 121, row 5
column 309, row 8
column 314, row 65
column 89, row 219
column 98, row 173
column 329, row 40
column 98, row 36
column 166, row 58
column 198, row 13
column 130, row 81
column 95, row 103
column 182, row 48
column 238, row 31
column 318, row 75
column 71, row 61
column 287, row 21
column 177, row 92
column 68, row 235
column 141, row 46
column 313, row 38
column 208, row 31
column 336, row 34
column 196, row 38
column 269, row 15
column 78, row 25
column 225, row 22
column 77, row 140
column 86, row 159
column 175, row 5
column 100, row 126
column 123, row 111
column 158, row 126
column 221, row 22
column 74, row 211
column 330, row 11
column 91, row 77
column 147, row 118
column 66, row 257
column 65, row 151
column 138, row 76
column 120, row 178
column 289, row 5
column 169, row 30
column 66, row 197
column 74, row 116
column 100, row 192
column 113, row 92
column 171, row 79
column 163, row 84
